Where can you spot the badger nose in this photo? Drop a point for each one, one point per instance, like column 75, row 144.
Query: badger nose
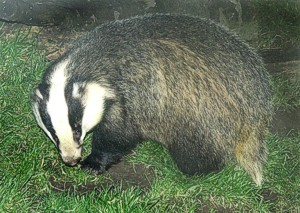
column 69, row 161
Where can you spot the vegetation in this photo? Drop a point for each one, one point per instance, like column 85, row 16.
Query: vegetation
column 32, row 171
column 279, row 22
column 286, row 92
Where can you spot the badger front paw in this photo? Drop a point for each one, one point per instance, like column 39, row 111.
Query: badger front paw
column 100, row 162
column 93, row 165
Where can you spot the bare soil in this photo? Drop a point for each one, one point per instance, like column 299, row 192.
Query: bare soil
column 286, row 123
column 123, row 174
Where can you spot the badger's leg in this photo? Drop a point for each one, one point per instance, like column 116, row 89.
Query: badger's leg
column 107, row 149
column 251, row 155
column 195, row 157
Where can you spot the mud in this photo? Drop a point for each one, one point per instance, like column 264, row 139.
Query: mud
column 123, row 175
column 286, row 123
column 129, row 175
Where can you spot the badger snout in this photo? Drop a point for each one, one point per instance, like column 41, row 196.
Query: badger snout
column 70, row 153
column 71, row 161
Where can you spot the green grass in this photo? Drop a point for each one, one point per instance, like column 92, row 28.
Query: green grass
column 278, row 23
column 30, row 164
column 286, row 92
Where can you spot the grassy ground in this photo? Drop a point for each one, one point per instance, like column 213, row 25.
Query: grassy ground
column 31, row 170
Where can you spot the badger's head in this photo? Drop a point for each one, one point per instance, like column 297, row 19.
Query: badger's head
column 66, row 110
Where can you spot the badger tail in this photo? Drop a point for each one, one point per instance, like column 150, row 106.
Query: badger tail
column 251, row 154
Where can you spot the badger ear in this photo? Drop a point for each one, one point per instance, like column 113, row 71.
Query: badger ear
column 36, row 95
column 36, row 100
column 39, row 94
column 93, row 104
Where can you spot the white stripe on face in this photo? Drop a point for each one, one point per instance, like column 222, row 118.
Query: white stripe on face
column 76, row 88
column 93, row 102
column 58, row 112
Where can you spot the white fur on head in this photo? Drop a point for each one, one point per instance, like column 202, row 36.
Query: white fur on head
column 76, row 88
column 93, row 103
column 58, row 112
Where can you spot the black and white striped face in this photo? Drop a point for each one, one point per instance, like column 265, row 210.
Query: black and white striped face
column 66, row 111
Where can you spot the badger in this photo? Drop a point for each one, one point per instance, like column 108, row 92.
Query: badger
column 183, row 81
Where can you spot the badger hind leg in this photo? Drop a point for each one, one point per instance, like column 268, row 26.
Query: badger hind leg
column 195, row 158
column 251, row 155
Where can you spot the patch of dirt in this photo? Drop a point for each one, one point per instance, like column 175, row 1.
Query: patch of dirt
column 290, row 69
column 130, row 175
column 270, row 196
column 54, row 40
column 123, row 174
column 280, row 55
column 207, row 207
column 286, row 123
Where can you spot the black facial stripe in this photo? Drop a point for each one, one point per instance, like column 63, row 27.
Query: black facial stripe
column 75, row 111
column 44, row 90
column 75, row 118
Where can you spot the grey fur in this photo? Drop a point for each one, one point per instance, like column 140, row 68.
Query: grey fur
column 183, row 81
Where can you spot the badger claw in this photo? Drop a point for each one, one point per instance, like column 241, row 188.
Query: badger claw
column 100, row 162
column 93, row 166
